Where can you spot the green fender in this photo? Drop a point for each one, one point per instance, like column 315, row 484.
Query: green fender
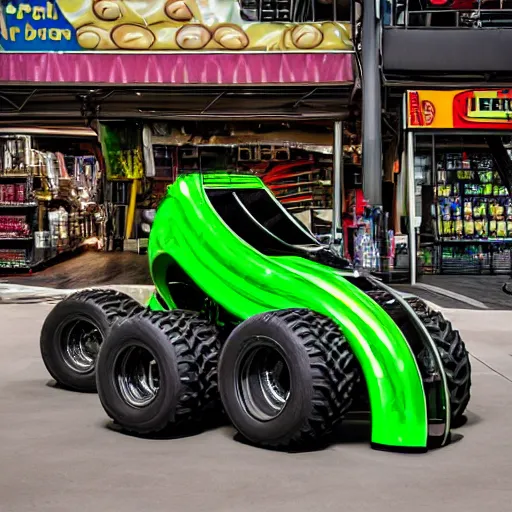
column 154, row 304
column 189, row 232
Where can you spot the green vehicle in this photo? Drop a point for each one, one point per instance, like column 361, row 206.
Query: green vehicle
column 253, row 317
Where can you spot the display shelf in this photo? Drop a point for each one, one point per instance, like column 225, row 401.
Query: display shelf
column 31, row 169
column 18, row 205
column 472, row 203
column 475, row 241
column 483, row 196
column 319, row 183
column 472, row 216
column 14, row 258
column 488, row 256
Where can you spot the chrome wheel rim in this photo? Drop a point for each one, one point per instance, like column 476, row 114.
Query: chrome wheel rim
column 263, row 379
column 81, row 344
column 137, row 375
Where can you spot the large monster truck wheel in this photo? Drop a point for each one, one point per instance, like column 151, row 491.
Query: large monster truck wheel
column 453, row 353
column 74, row 330
column 158, row 369
column 286, row 377
column 452, row 349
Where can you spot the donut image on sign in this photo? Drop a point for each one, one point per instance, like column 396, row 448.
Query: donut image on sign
column 201, row 25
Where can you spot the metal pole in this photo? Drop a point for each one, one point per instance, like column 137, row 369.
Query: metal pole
column 337, row 179
column 401, row 180
column 372, row 106
column 411, row 203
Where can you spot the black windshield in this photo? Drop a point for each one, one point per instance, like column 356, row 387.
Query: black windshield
column 263, row 223
column 234, row 212
column 272, row 216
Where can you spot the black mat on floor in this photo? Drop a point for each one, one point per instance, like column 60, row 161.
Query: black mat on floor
column 436, row 298
column 484, row 288
column 90, row 268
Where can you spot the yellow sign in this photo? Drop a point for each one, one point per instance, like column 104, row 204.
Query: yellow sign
column 171, row 25
column 466, row 109
column 188, row 25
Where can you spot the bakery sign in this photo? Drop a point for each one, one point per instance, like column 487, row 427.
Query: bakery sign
column 171, row 26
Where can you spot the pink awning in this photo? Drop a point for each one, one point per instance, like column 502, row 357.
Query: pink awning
column 177, row 69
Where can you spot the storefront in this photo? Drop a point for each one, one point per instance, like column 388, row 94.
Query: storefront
column 50, row 185
column 459, row 181
column 198, row 68
column 297, row 161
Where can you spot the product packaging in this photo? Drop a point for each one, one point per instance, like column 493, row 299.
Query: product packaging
column 20, row 193
column 10, row 193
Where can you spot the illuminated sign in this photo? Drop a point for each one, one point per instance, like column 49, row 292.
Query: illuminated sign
column 486, row 108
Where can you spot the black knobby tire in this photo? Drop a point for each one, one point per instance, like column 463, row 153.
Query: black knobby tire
column 454, row 356
column 452, row 349
column 205, row 340
column 185, row 350
column 320, row 368
column 74, row 330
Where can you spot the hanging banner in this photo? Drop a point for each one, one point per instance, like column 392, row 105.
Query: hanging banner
column 171, row 26
column 486, row 109
column 121, row 145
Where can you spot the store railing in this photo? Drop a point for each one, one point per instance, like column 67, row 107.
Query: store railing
column 295, row 11
column 441, row 14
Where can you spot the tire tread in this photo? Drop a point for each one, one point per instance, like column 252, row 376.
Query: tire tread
column 452, row 349
column 114, row 304
column 196, row 344
column 333, row 368
column 453, row 353
column 110, row 304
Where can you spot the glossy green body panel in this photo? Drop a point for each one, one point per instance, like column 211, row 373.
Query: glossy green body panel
column 154, row 304
column 189, row 232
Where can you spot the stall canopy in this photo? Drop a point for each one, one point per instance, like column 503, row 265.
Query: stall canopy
column 212, row 102
column 176, row 59
column 169, row 69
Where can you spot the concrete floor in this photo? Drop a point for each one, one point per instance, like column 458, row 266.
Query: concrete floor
column 56, row 453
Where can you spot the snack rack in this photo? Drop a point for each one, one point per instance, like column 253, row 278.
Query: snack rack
column 474, row 215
